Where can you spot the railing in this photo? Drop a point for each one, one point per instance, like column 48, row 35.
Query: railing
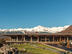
column 48, row 42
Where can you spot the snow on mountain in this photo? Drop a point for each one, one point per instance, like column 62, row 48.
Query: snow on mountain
column 49, row 29
column 39, row 29
column 57, row 29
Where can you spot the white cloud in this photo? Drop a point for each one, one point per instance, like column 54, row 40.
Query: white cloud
column 57, row 29
column 39, row 29
column 49, row 29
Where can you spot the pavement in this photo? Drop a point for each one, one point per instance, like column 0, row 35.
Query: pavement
column 60, row 48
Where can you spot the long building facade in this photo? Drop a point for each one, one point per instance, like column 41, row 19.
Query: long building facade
column 40, row 37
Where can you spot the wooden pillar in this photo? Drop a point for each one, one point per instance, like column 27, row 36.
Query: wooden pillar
column 24, row 38
column 10, row 39
column 64, row 38
column 57, row 39
column 45, row 39
column 60, row 39
column 37, row 38
column 68, row 45
column 17, row 38
column 53, row 38
column 31, row 39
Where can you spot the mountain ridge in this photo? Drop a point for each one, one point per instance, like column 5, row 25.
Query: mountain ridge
column 39, row 29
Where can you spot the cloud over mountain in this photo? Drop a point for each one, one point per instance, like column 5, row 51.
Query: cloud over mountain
column 39, row 29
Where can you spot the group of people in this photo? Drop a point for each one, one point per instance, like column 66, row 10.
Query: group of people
column 8, row 50
column 13, row 51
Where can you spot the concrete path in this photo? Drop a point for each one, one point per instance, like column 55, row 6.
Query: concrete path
column 60, row 49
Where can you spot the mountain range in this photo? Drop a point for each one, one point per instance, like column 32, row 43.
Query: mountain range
column 39, row 29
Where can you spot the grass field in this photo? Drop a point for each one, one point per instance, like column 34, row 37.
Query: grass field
column 35, row 48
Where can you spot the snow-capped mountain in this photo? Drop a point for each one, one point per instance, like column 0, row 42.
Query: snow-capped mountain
column 38, row 29
column 49, row 29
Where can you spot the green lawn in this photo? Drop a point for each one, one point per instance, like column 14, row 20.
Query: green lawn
column 35, row 48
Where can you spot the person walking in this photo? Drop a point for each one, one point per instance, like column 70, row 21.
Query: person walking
column 16, row 51
column 10, row 51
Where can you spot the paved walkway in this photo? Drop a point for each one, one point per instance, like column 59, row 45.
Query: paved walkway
column 60, row 49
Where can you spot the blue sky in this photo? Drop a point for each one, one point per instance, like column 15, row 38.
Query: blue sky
column 30, row 13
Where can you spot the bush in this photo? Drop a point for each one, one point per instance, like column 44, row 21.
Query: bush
column 2, row 41
column 63, row 43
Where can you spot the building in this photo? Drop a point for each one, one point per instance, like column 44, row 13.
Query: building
column 40, row 37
